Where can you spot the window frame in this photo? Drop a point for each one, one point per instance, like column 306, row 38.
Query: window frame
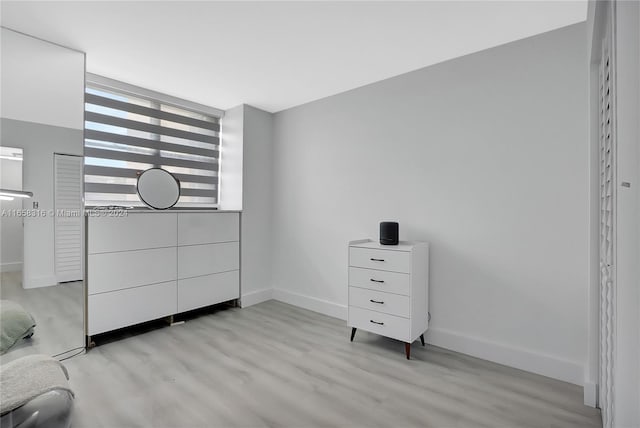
column 157, row 99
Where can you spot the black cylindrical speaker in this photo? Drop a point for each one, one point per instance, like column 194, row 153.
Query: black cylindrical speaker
column 389, row 233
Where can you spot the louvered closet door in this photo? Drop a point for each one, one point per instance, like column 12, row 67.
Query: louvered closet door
column 69, row 217
column 607, row 233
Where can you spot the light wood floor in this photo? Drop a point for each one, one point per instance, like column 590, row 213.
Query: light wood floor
column 275, row 365
column 58, row 311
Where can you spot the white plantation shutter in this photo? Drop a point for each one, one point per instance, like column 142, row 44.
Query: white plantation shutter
column 68, row 217
column 607, row 225
column 130, row 129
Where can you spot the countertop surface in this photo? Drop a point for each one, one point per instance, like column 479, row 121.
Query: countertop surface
column 375, row 245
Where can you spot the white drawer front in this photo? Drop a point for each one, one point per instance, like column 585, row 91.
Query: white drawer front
column 136, row 231
column 208, row 228
column 389, row 260
column 388, row 303
column 116, row 271
column 208, row 290
column 198, row 260
column 384, row 324
column 110, row 311
column 379, row 280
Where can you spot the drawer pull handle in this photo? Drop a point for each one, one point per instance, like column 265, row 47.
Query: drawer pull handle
column 376, row 280
column 376, row 260
column 376, row 322
column 380, row 302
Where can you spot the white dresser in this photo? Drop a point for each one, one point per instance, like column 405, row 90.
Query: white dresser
column 389, row 290
column 149, row 265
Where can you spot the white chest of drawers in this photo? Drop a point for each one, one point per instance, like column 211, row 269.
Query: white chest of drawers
column 389, row 290
column 149, row 265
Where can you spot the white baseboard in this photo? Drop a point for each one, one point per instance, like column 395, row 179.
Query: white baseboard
column 312, row 303
column 523, row 359
column 590, row 394
column 11, row 267
column 43, row 281
column 255, row 297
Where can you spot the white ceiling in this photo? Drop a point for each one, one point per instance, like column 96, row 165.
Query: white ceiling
column 276, row 55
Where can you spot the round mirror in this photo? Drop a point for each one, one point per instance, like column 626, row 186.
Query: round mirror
column 158, row 188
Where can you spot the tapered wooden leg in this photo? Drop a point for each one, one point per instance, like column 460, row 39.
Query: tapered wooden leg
column 407, row 350
column 353, row 333
column 422, row 339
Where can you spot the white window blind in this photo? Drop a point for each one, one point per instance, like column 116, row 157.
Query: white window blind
column 127, row 131
column 606, row 388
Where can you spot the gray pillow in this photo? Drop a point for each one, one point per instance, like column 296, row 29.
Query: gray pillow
column 15, row 324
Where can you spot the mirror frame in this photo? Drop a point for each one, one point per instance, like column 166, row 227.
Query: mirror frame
column 147, row 203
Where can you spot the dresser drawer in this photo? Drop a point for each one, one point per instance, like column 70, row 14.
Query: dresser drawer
column 389, row 260
column 379, row 280
column 126, row 269
column 207, row 228
column 136, row 231
column 208, row 290
column 379, row 323
column 198, row 260
column 117, row 309
column 393, row 304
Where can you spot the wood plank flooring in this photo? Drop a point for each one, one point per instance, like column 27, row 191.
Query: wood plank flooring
column 58, row 311
column 275, row 365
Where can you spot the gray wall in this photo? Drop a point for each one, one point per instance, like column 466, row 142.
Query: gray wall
column 485, row 157
column 10, row 226
column 256, row 205
column 246, row 184
column 39, row 143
